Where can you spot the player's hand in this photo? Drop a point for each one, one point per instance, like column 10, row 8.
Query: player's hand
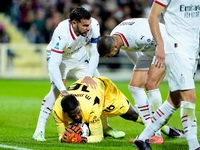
column 76, row 128
column 69, row 136
column 159, row 57
column 89, row 81
column 64, row 92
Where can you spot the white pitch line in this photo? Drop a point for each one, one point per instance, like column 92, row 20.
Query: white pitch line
column 14, row 147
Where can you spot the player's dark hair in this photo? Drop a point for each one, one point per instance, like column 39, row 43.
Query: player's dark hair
column 69, row 103
column 79, row 13
column 105, row 44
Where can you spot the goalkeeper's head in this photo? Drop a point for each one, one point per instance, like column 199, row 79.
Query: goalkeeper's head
column 70, row 106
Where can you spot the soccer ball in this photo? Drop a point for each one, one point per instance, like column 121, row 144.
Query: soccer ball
column 85, row 130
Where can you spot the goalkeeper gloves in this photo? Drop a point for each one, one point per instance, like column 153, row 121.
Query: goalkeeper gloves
column 72, row 134
column 76, row 128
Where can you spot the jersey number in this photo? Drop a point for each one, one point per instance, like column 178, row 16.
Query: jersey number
column 110, row 108
column 76, row 86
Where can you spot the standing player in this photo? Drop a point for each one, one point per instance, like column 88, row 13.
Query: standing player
column 66, row 52
column 179, row 52
column 134, row 35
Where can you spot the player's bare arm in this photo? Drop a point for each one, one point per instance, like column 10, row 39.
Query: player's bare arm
column 154, row 26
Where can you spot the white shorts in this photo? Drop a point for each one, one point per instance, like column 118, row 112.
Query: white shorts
column 180, row 71
column 78, row 68
column 144, row 62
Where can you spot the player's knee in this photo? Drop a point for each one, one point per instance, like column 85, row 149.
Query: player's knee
column 189, row 96
column 131, row 114
column 150, row 85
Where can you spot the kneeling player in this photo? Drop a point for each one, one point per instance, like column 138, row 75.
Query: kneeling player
column 86, row 104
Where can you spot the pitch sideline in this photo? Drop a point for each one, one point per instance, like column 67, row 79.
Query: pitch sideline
column 13, row 147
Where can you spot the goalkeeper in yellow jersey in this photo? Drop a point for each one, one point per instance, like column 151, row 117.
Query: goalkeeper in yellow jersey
column 85, row 104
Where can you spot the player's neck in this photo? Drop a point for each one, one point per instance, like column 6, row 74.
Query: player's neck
column 119, row 40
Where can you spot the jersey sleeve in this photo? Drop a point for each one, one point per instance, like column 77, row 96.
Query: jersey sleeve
column 94, row 55
column 162, row 2
column 59, row 117
column 54, row 70
column 95, row 126
column 96, row 30
column 58, row 41
column 56, row 47
column 97, row 134
column 94, row 59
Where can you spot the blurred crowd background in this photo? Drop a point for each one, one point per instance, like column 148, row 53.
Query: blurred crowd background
column 33, row 21
column 37, row 19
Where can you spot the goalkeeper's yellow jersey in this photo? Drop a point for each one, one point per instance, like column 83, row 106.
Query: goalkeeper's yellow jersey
column 106, row 99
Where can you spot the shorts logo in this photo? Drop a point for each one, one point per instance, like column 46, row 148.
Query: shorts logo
column 109, row 108
column 182, row 79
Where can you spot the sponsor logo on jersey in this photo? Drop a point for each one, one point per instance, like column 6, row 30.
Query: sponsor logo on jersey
column 67, row 53
column 95, row 119
column 59, row 37
column 191, row 11
column 190, row 8
column 127, row 23
column 87, row 40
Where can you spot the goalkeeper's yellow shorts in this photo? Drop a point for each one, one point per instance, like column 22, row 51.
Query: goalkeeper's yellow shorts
column 116, row 103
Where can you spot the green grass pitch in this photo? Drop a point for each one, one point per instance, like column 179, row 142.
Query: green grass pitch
column 20, row 102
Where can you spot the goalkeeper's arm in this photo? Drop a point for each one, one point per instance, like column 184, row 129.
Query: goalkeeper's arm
column 60, row 124
column 96, row 133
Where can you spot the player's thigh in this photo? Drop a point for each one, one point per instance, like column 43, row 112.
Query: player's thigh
column 180, row 72
column 80, row 71
column 118, row 107
column 140, row 70
column 133, row 56
column 115, row 102
column 143, row 62
column 65, row 67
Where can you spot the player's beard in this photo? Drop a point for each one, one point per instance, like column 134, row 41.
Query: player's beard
column 81, row 33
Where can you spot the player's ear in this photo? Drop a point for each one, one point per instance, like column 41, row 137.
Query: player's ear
column 74, row 22
column 115, row 48
column 115, row 45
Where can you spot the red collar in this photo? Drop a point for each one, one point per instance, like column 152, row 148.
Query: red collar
column 72, row 33
column 123, row 38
